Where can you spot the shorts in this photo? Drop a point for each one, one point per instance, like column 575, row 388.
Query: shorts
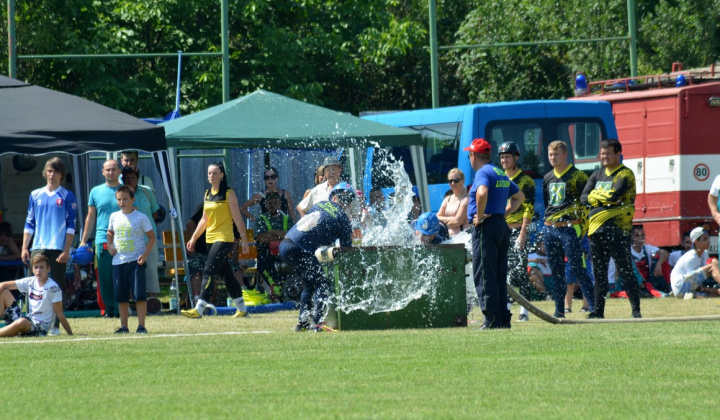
column 37, row 328
column 126, row 277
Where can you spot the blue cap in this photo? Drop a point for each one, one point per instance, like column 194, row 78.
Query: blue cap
column 427, row 223
column 416, row 192
column 342, row 187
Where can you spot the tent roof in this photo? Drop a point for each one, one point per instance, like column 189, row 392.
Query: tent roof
column 36, row 120
column 265, row 119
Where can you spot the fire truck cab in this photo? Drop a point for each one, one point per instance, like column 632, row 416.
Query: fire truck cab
column 668, row 127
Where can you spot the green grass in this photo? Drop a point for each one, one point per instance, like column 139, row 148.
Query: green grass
column 534, row 371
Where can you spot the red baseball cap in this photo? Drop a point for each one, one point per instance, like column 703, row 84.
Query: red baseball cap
column 479, row 146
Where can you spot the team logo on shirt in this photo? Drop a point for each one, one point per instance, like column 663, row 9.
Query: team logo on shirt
column 74, row 206
column 308, row 222
column 603, row 185
column 557, row 193
column 59, row 202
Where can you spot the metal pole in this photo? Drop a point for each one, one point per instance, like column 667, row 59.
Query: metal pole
column 177, row 92
column 225, row 52
column 434, row 74
column 632, row 33
column 12, row 54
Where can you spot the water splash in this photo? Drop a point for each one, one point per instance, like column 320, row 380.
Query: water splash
column 391, row 280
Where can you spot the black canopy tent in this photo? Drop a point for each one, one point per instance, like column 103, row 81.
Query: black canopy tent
column 35, row 120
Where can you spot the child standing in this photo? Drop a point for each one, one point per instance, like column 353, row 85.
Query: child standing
column 45, row 301
column 127, row 246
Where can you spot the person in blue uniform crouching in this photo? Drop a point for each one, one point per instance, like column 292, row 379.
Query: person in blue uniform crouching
column 322, row 225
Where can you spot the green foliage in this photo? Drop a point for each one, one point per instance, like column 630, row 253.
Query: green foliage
column 347, row 55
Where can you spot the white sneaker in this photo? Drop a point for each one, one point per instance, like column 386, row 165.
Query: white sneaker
column 54, row 331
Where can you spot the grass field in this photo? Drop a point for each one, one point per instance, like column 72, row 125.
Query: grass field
column 218, row 367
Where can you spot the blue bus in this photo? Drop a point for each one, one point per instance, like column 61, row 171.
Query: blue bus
column 532, row 125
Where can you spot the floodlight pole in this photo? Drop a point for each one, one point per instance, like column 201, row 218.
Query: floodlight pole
column 12, row 59
column 434, row 74
column 224, row 27
column 632, row 34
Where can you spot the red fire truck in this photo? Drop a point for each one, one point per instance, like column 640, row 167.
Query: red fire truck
column 669, row 126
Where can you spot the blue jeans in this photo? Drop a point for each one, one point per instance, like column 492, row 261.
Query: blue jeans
column 559, row 243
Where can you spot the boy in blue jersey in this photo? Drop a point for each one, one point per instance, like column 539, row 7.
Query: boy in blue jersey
column 324, row 223
column 50, row 225
column 429, row 230
column 101, row 204
column 492, row 197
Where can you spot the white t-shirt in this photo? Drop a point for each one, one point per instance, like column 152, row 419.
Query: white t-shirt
column 40, row 298
column 681, row 278
column 130, row 232
column 675, row 257
column 319, row 193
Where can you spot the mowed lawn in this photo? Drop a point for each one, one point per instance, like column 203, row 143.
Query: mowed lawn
column 218, row 367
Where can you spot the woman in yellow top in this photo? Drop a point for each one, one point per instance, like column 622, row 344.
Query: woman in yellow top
column 220, row 210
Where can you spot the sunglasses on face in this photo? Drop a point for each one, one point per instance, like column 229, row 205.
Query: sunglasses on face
column 270, row 177
column 454, row 180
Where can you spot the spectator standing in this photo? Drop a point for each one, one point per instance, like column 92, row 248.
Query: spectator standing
column 146, row 203
column 126, row 234
column 453, row 210
column 518, row 222
column 198, row 257
column 332, row 171
column 319, row 179
column 271, row 185
column 487, row 210
column 610, row 193
column 131, row 158
column 101, row 204
column 50, row 225
column 692, row 273
column 220, row 212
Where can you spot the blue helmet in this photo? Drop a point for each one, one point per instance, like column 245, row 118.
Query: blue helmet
column 83, row 255
column 427, row 223
column 344, row 191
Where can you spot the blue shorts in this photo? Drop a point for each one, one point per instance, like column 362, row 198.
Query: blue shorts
column 127, row 277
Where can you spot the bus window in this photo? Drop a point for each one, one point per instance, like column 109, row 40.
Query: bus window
column 585, row 138
column 528, row 137
column 442, row 142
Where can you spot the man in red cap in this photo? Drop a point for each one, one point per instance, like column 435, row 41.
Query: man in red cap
column 487, row 209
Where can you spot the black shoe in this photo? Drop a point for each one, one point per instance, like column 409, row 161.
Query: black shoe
column 141, row 330
column 559, row 315
column 492, row 323
column 636, row 314
column 595, row 315
column 302, row 326
column 122, row 330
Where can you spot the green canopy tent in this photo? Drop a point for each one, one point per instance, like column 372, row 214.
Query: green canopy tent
column 266, row 120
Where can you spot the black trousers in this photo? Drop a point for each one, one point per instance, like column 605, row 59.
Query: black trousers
column 490, row 243
column 217, row 263
column 606, row 242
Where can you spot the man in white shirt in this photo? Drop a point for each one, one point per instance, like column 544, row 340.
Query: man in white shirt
column 321, row 192
column 685, row 244
column 691, row 274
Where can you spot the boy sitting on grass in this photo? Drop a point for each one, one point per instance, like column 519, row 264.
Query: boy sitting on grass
column 126, row 244
column 690, row 276
column 45, row 301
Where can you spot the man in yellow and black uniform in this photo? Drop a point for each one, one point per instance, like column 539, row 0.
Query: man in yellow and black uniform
column 565, row 219
column 518, row 222
column 610, row 193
